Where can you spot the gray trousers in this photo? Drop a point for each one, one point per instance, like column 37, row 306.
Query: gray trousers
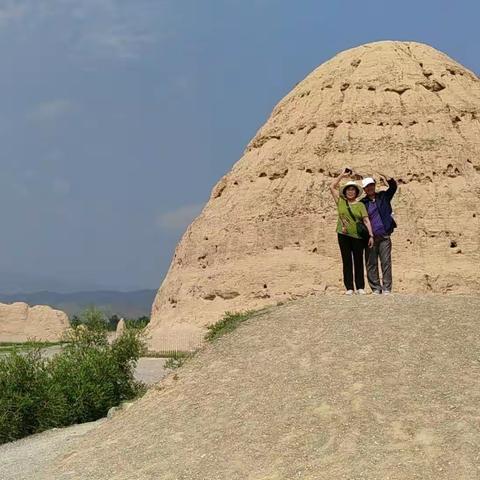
column 381, row 248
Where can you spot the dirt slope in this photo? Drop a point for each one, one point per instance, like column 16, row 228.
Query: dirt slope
column 321, row 388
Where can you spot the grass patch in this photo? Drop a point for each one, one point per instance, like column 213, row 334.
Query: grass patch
column 29, row 344
column 229, row 322
column 10, row 347
column 176, row 362
column 167, row 354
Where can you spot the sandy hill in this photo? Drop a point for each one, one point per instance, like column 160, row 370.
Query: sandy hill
column 267, row 233
column 320, row 388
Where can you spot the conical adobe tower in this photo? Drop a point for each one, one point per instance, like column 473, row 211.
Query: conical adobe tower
column 267, row 234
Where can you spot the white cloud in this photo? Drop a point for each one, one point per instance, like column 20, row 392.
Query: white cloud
column 51, row 110
column 180, row 218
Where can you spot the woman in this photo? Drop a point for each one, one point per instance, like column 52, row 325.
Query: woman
column 351, row 244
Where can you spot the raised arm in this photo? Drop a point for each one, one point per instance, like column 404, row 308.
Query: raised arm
column 336, row 182
column 392, row 185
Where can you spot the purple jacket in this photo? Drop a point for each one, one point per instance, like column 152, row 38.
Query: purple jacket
column 383, row 199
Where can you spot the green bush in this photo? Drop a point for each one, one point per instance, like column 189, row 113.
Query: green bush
column 110, row 322
column 140, row 322
column 27, row 400
column 92, row 314
column 78, row 385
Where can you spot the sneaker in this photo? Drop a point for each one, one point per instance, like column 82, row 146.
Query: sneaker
column 387, row 292
column 361, row 291
column 349, row 292
column 376, row 292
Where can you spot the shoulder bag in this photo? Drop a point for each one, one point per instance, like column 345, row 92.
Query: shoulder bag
column 362, row 230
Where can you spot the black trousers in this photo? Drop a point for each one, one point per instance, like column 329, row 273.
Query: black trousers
column 352, row 247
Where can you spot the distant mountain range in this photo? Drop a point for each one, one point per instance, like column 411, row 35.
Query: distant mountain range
column 124, row 304
column 13, row 282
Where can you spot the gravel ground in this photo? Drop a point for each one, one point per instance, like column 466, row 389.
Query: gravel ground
column 23, row 459
column 322, row 388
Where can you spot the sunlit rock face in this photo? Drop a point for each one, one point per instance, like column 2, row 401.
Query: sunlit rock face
column 267, row 234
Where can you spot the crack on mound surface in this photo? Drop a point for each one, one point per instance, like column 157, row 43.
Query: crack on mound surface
column 262, row 140
column 309, row 127
column 399, row 90
column 209, row 296
column 454, row 70
column 451, row 171
column 455, row 121
column 276, row 175
column 224, row 295
column 228, row 295
column 433, row 86
column 424, row 178
column 217, row 193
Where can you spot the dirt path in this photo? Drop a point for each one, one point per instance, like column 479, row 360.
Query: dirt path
column 23, row 459
column 323, row 388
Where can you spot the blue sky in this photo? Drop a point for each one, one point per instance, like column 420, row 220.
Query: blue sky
column 118, row 117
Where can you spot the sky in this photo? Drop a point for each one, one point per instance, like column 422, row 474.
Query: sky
column 119, row 116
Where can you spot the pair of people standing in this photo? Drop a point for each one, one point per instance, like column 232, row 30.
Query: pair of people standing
column 375, row 212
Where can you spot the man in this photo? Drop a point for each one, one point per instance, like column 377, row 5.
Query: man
column 379, row 210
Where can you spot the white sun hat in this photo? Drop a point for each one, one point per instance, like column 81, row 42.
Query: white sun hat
column 350, row 184
column 367, row 181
